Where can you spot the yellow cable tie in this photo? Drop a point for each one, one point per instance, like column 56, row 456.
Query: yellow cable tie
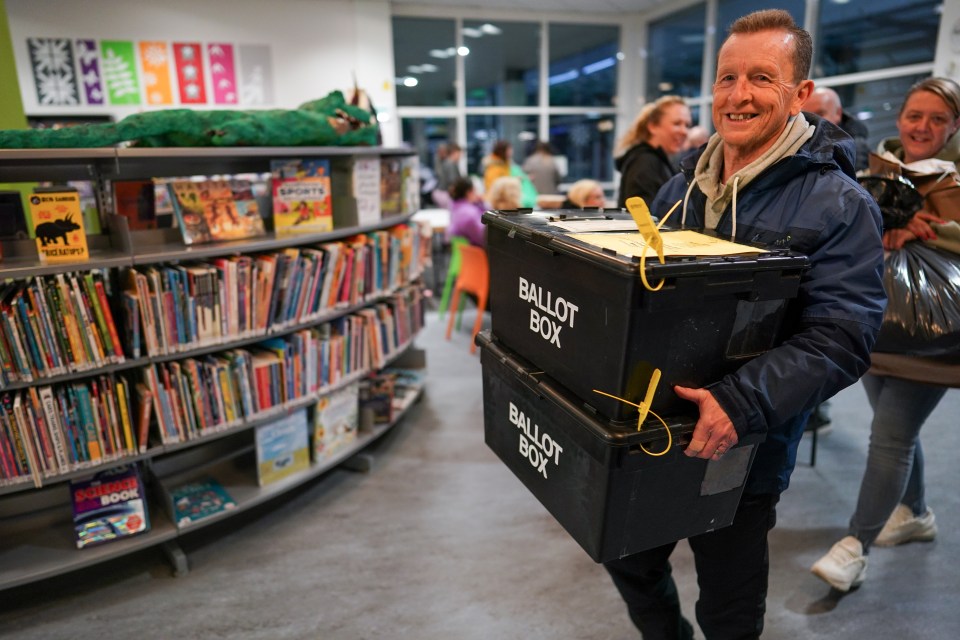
column 663, row 220
column 644, row 410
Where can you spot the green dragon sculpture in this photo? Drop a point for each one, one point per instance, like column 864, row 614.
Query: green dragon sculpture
column 329, row 121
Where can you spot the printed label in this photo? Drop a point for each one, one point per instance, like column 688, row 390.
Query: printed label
column 549, row 314
column 538, row 448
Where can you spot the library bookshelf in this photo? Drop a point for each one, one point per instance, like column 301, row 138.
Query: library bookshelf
column 323, row 342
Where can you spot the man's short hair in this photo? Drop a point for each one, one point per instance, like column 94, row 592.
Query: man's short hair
column 780, row 20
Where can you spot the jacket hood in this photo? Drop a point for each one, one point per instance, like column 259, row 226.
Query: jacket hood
column 829, row 145
column 950, row 151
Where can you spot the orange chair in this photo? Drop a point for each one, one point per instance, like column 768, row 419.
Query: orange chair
column 474, row 278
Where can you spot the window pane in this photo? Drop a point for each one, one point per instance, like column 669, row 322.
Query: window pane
column 877, row 104
column 484, row 130
column 875, row 35
column 426, row 135
column 503, row 66
column 424, row 55
column 586, row 141
column 729, row 11
column 675, row 54
column 583, row 65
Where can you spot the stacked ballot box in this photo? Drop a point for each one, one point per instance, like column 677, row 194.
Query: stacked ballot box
column 616, row 490
column 583, row 314
column 576, row 338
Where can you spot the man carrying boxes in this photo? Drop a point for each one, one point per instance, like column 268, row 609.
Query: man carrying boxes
column 774, row 176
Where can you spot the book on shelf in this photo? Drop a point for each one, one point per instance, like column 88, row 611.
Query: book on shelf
column 215, row 210
column 391, row 186
column 135, row 200
column 301, row 196
column 376, row 397
column 108, row 506
column 336, row 418
column 409, row 184
column 197, row 500
column 58, row 226
column 282, row 447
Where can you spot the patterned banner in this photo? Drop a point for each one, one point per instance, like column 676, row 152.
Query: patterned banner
column 256, row 75
column 88, row 58
column 223, row 74
column 155, row 62
column 53, row 75
column 119, row 67
column 189, row 59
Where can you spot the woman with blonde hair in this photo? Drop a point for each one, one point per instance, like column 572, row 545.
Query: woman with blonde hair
column 584, row 194
column 643, row 154
column 505, row 193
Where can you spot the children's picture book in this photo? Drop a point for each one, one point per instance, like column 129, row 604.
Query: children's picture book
column 391, row 186
column 336, row 418
column 302, row 200
column 57, row 223
column 109, row 506
column 376, row 396
column 282, row 447
column 198, row 500
column 209, row 211
column 135, row 201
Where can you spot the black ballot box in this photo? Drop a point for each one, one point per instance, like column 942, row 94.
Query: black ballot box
column 583, row 314
column 616, row 490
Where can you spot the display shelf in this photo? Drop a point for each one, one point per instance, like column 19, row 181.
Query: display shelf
column 36, row 530
column 43, row 546
column 242, row 486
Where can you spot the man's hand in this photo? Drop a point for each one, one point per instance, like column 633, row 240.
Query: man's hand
column 714, row 434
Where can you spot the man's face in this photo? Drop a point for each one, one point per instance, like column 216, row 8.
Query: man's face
column 754, row 93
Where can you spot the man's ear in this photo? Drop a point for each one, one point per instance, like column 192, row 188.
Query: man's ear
column 803, row 91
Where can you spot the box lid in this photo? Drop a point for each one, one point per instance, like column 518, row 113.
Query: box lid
column 541, row 229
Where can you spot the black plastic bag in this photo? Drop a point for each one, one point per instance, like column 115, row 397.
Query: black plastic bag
column 923, row 302
column 897, row 197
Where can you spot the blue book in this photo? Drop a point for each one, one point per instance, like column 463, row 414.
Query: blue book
column 108, row 506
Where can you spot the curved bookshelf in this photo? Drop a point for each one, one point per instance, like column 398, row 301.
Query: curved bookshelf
column 36, row 524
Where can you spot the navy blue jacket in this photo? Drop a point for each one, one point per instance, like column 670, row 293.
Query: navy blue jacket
column 811, row 203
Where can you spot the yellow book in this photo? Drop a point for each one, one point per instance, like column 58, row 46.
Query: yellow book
column 57, row 222
column 122, row 396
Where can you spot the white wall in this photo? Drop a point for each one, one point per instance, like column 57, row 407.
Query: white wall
column 947, row 63
column 316, row 45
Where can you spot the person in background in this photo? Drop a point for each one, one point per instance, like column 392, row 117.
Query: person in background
column 466, row 209
column 773, row 176
column 643, row 154
column 505, row 193
column 584, row 194
column 891, row 508
column 697, row 136
column 497, row 164
column 448, row 170
column 542, row 168
column 825, row 102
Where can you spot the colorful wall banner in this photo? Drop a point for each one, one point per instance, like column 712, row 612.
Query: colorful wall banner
column 256, row 75
column 88, row 60
column 189, row 59
column 51, row 60
column 118, row 64
column 155, row 62
column 223, row 75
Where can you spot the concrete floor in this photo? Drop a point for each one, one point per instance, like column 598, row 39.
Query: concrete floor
column 439, row 540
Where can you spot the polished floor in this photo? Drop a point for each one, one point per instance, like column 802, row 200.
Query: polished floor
column 440, row 541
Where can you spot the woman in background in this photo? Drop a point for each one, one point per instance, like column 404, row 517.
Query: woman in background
column 466, row 210
column 497, row 164
column 903, row 391
column 643, row 154
column 505, row 193
column 585, row 194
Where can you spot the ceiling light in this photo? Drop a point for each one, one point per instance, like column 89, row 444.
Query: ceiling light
column 665, row 86
column 440, row 53
column 428, row 68
column 415, row 69
column 410, row 82
column 526, row 136
column 470, row 32
column 620, row 55
column 490, row 29
column 463, row 51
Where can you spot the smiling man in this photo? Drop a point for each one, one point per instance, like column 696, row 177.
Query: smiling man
column 772, row 175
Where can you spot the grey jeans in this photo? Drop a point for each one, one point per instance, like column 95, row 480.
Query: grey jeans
column 894, row 471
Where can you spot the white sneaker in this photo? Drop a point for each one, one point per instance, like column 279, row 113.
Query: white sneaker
column 844, row 566
column 903, row 526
